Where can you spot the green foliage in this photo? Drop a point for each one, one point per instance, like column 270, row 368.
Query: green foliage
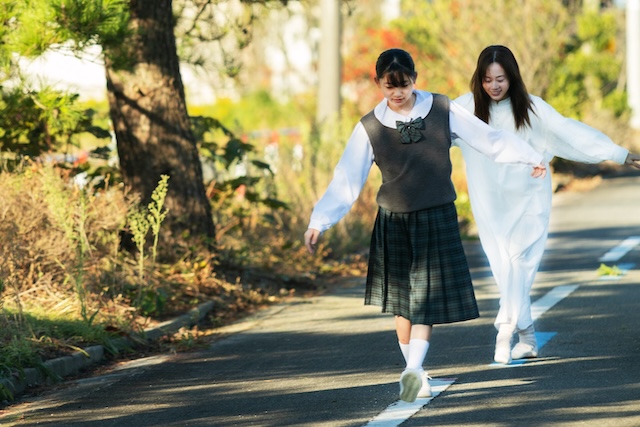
column 71, row 218
column 7, row 14
column 256, row 111
column 599, row 29
column 32, row 32
column 5, row 393
column 617, row 102
column 36, row 122
column 45, row 334
column 39, row 318
column 17, row 352
column 235, row 166
column 77, row 24
column 198, row 34
column 89, row 22
column 139, row 227
column 157, row 213
column 140, row 221
column 590, row 69
column 151, row 301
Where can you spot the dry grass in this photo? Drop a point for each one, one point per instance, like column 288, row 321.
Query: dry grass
column 66, row 283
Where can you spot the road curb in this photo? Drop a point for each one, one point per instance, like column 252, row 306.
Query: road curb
column 55, row 370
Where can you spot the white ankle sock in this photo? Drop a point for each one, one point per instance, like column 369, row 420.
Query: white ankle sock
column 404, row 348
column 417, row 352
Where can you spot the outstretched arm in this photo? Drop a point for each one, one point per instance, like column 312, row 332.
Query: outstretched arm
column 349, row 176
column 499, row 145
column 573, row 140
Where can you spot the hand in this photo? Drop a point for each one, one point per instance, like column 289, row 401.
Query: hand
column 539, row 171
column 310, row 239
column 633, row 160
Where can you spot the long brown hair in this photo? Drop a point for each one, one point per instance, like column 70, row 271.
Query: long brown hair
column 520, row 100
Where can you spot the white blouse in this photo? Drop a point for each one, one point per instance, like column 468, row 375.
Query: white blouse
column 352, row 170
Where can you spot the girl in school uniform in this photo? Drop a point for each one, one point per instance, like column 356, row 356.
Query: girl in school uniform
column 510, row 209
column 417, row 268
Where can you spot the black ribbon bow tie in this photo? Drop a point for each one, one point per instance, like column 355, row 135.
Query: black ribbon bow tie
column 410, row 131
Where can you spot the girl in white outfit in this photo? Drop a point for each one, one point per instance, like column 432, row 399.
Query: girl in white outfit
column 510, row 208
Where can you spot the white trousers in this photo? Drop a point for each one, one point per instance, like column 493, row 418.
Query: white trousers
column 511, row 210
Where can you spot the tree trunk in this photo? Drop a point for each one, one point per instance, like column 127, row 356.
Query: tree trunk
column 152, row 127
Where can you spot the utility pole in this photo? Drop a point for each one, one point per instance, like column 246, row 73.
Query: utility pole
column 330, row 62
column 633, row 61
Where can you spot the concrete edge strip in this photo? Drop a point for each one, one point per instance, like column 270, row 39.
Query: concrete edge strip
column 55, row 369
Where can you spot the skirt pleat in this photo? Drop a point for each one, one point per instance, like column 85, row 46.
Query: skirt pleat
column 418, row 269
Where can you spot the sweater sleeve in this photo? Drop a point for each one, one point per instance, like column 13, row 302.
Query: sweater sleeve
column 499, row 145
column 349, row 177
column 573, row 140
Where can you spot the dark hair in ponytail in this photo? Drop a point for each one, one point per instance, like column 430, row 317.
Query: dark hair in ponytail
column 396, row 65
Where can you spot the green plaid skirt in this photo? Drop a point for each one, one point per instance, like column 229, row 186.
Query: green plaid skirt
column 418, row 269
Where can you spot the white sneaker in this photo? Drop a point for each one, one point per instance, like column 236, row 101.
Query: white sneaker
column 527, row 346
column 410, row 384
column 503, row 345
column 524, row 351
column 425, row 390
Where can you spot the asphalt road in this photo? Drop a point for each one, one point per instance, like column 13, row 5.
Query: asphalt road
column 331, row 361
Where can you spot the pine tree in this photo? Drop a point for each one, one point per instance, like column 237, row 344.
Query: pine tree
column 145, row 93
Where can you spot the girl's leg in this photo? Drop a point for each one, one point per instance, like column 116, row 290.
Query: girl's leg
column 403, row 331
column 414, row 343
column 421, row 332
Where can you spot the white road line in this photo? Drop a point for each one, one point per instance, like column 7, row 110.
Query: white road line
column 400, row 411
column 555, row 295
column 621, row 250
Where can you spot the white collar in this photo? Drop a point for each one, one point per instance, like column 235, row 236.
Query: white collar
column 388, row 117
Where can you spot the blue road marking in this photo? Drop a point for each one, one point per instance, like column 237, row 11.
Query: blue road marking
column 538, row 308
column 542, row 338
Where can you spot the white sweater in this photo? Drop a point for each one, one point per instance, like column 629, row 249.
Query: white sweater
column 511, row 209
